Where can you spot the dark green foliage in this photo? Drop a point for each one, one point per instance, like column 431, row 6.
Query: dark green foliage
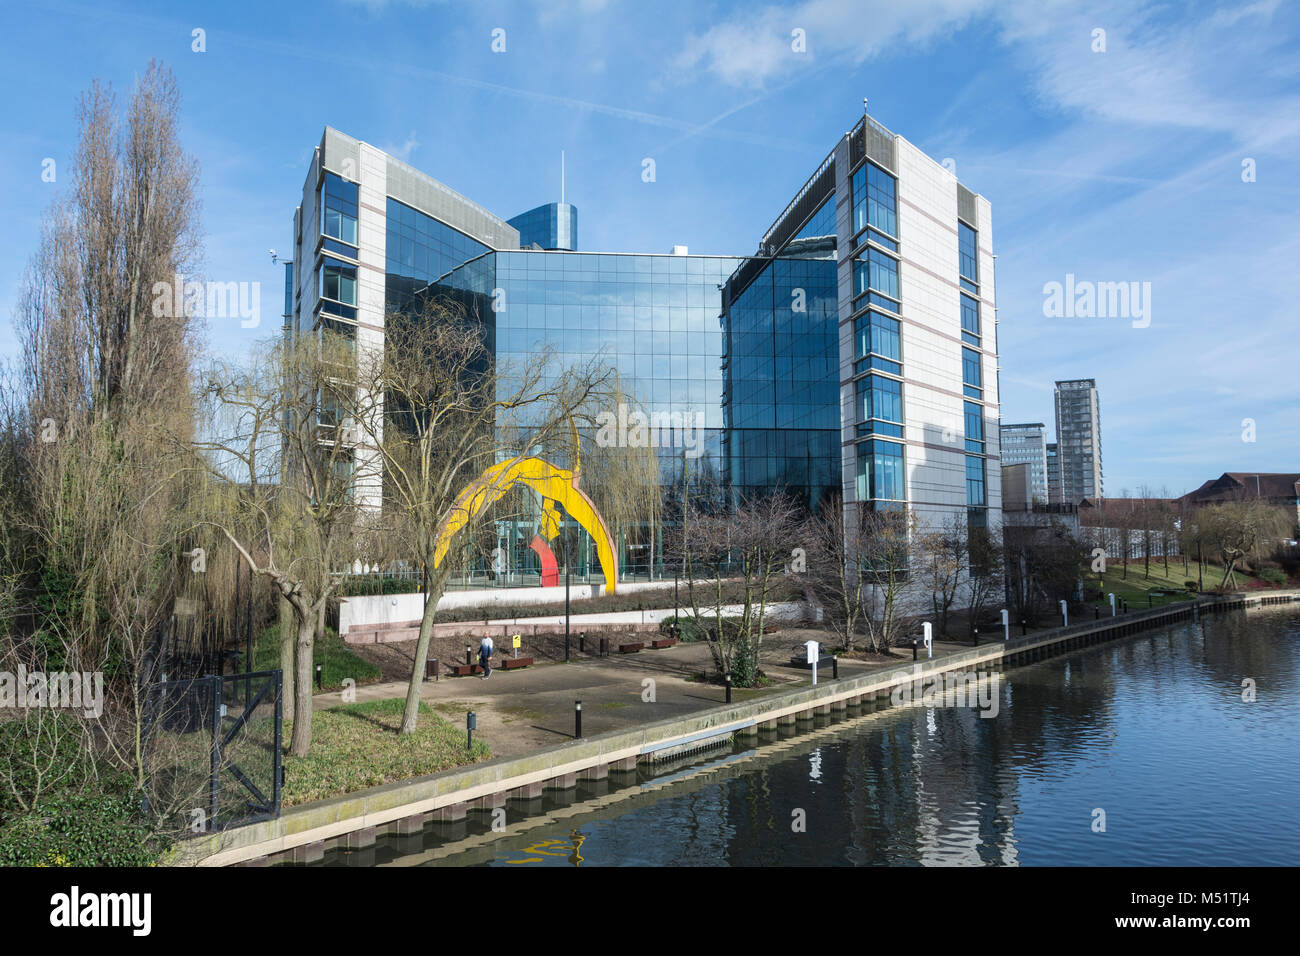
column 74, row 828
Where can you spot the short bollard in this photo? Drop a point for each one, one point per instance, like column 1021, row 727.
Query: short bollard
column 1023, row 630
column 577, row 718
column 835, row 666
column 468, row 658
column 604, row 647
column 1096, row 613
column 471, row 724
column 318, row 676
column 975, row 637
column 913, row 648
column 566, row 647
column 726, row 680
column 582, row 642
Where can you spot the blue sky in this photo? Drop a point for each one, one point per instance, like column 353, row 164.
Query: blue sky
column 1122, row 165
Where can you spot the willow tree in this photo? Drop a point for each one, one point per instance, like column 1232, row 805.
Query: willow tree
column 282, row 462
column 105, row 408
column 622, row 477
column 438, row 411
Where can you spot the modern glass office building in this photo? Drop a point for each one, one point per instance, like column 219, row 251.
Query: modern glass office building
column 1025, row 443
column 854, row 352
column 550, row 226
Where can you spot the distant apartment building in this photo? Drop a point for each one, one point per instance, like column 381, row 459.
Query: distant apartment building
column 1078, row 439
column 1026, row 444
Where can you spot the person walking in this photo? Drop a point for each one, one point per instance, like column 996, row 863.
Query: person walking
column 485, row 656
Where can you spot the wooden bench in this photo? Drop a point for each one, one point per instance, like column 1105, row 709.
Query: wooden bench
column 464, row 670
column 663, row 642
column 631, row 648
column 510, row 663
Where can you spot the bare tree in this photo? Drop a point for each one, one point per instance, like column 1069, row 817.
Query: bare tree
column 942, row 560
column 438, row 412
column 753, row 543
column 283, row 468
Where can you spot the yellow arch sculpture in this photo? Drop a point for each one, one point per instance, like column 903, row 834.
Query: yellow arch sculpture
column 553, row 484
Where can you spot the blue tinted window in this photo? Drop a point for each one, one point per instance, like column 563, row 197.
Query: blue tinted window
column 339, row 209
column 970, row 319
column 880, row 471
column 877, row 270
column 966, row 252
column 881, row 398
column 974, row 481
column 339, row 282
column 974, row 415
column 970, row 368
column 874, row 200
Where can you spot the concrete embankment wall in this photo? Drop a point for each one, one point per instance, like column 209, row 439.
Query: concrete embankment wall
column 355, row 819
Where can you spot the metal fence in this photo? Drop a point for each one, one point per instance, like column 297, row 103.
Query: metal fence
column 213, row 750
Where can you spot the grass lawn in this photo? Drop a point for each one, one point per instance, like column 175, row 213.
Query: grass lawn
column 330, row 650
column 357, row 746
column 1136, row 588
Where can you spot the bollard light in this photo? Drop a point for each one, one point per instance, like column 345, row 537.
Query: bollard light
column 913, row 648
column 468, row 658
column 318, row 676
column 577, row 718
column 582, row 642
column 835, row 666
column 975, row 637
column 726, row 680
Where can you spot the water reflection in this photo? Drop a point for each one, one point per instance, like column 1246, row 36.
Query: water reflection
column 1153, row 730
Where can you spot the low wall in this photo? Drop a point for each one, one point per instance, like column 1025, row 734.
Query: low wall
column 547, row 624
column 380, row 609
column 407, row 805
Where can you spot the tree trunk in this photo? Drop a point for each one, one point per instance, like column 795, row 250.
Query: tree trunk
column 301, row 741
column 288, row 632
column 437, row 583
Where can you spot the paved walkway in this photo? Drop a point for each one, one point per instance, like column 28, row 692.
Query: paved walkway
column 521, row 710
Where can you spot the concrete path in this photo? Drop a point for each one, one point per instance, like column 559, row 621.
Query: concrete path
column 522, row 710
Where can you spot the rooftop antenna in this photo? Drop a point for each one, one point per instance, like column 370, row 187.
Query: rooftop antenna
column 561, row 177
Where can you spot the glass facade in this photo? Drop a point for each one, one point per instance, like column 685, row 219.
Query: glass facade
column 418, row 250
column 552, row 226
column 653, row 318
column 880, row 471
column 781, row 374
column 874, row 202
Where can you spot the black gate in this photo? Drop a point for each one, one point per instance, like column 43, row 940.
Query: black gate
column 214, row 750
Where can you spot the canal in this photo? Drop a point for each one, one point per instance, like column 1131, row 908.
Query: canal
column 1143, row 751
